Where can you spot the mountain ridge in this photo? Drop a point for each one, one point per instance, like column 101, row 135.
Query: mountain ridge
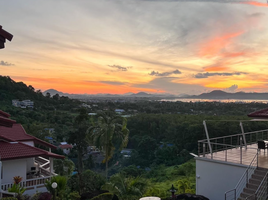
column 215, row 94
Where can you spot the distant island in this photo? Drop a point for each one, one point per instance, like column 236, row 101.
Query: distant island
column 215, row 94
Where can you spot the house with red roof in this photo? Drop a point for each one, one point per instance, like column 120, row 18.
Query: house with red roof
column 20, row 157
column 66, row 148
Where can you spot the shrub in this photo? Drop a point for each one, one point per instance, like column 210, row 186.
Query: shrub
column 74, row 195
column 91, row 181
column 45, row 196
column 104, row 196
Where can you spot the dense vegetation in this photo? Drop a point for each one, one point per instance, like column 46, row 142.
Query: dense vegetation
column 161, row 135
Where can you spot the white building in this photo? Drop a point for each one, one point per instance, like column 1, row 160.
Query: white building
column 233, row 167
column 20, row 157
column 119, row 111
column 23, row 104
column 66, row 148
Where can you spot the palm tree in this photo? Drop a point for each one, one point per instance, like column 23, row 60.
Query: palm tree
column 108, row 133
column 61, row 186
column 184, row 186
column 64, row 167
column 126, row 188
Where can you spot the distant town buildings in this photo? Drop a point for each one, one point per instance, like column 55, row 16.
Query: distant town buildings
column 85, row 105
column 23, row 104
column 119, row 111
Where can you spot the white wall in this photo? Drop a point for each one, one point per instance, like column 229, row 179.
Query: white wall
column 30, row 143
column 214, row 178
column 13, row 168
column 30, row 163
column 66, row 151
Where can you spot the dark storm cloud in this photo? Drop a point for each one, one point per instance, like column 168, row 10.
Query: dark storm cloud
column 207, row 74
column 120, row 68
column 156, row 73
column 3, row 63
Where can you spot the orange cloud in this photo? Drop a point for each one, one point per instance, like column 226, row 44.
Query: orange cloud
column 215, row 45
column 255, row 3
column 233, row 55
column 215, row 68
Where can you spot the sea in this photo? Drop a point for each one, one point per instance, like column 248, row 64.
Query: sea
column 217, row 100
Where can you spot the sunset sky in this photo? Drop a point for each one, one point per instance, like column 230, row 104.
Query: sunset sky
column 120, row 46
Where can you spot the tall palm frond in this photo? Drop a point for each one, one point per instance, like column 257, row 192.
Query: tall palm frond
column 105, row 132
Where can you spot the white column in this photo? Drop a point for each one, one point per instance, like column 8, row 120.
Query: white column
column 51, row 165
column 206, row 130
column 49, row 149
column 243, row 133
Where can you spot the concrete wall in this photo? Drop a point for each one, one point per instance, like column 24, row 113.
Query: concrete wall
column 13, row 168
column 66, row 151
column 214, row 178
column 30, row 163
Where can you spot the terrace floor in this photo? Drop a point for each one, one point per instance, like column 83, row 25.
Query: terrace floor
column 234, row 155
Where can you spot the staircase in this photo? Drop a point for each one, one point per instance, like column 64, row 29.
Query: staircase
column 256, row 183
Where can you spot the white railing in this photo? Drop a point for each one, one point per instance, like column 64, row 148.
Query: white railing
column 226, row 143
column 28, row 183
column 44, row 161
column 235, row 193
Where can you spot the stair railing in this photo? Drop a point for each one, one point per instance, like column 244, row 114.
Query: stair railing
column 235, row 193
column 262, row 191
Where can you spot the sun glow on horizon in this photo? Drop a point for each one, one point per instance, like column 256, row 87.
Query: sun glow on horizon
column 114, row 47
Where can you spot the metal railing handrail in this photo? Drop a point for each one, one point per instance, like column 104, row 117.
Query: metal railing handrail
column 259, row 188
column 239, row 134
column 242, row 178
column 250, row 166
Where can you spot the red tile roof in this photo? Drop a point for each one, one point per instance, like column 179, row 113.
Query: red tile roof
column 17, row 133
column 65, row 146
column 18, row 150
column 4, row 121
column 261, row 114
column 4, row 114
column 5, row 34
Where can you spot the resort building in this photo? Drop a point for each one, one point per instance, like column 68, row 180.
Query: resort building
column 20, row 157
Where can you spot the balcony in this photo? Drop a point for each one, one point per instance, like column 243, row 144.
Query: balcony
column 238, row 148
column 35, row 178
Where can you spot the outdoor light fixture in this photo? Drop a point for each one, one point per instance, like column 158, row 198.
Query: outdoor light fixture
column 173, row 190
column 54, row 186
column 3, row 36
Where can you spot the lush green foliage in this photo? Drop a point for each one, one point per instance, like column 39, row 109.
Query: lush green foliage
column 104, row 196
column 126, row 188
column 60, row 190
column 108, row 133
column 63, row 167
column 90, row 181
column 16, row 188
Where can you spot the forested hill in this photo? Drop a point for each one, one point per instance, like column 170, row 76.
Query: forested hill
column 9, row 90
